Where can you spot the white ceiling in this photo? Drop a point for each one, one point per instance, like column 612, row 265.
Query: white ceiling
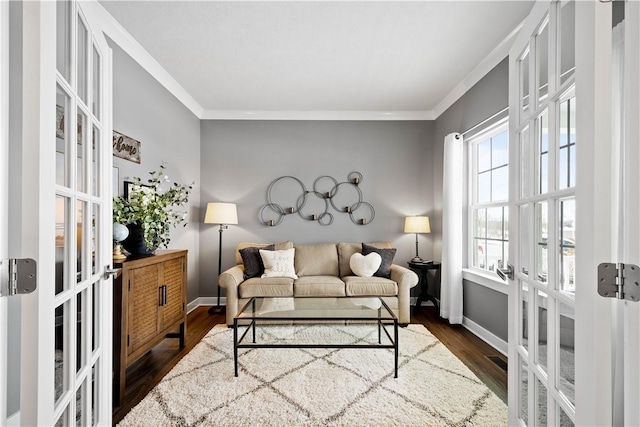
column 304, row 56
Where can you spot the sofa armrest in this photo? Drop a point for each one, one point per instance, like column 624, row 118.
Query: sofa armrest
column 406, row 279
column 403, row 276
column 230, row 280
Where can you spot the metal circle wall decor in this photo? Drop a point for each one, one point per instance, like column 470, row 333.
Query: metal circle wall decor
column 360, row 212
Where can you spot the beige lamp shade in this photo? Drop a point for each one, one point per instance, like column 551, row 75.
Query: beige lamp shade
column 221, row 213
column 417, row 224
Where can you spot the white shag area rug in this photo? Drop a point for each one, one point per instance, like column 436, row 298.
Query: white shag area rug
column 320, row 387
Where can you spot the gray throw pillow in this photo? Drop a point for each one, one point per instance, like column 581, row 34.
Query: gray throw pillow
column 252, row 261
column 387, row 259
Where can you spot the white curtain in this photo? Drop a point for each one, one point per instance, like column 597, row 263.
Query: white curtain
column 452, row 226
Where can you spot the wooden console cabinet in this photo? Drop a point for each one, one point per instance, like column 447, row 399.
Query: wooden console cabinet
column 149, row 305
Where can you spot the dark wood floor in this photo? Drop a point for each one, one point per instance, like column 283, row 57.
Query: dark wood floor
column 144, row 374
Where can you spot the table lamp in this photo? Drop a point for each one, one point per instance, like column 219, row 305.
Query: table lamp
column 417, row 224
column 222, row 214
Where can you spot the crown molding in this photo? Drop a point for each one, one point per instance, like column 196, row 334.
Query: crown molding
column 317, row 115
column 113, row 30
column 500, row 52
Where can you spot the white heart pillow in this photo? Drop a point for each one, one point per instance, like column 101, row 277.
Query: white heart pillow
column 365, row 265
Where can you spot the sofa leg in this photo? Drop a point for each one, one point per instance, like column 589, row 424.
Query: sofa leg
column 403, row 325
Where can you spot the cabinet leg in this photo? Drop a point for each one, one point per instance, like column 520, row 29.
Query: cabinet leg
column 182, row 334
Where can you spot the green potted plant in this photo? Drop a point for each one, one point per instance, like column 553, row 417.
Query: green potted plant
column 148, row 211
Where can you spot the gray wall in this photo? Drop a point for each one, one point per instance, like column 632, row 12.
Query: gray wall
column 239, row 159
column 486, row 307
column 490, row 95
column 169, row 133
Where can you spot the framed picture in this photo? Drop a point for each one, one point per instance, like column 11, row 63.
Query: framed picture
column 126, row 147
column 131, row 188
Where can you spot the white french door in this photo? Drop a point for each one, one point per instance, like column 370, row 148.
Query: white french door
column 65, row 217
column 542, row 319
column 573, row 355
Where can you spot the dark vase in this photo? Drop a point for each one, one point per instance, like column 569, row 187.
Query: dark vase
column 134, row 244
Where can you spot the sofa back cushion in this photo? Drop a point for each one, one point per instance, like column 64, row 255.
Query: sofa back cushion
column 317, row 260
column 345, row 250
column 277, row 247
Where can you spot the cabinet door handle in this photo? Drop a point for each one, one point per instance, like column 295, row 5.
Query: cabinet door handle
column 164, row 295
column 161, row 297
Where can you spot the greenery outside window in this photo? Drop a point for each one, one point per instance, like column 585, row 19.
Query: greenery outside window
column 489, row 198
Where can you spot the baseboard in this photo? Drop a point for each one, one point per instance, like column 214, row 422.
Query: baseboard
column 206, row 301
column 486, row 336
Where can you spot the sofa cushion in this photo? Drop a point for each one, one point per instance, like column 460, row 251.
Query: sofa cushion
column 268, row 287
column 277, row 246
column 369, row 286
column 278, row 263
column 316, row 260
column 318, row 286
column 252, row 261
column 387, row 259
column 345, row 250
column 365, row 265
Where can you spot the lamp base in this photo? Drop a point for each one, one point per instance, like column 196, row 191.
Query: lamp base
column 217, row 309
column 416, row 259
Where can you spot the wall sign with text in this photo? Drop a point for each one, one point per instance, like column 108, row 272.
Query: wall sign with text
column 126, row 147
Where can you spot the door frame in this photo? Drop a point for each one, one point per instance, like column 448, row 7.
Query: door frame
column 4, row 197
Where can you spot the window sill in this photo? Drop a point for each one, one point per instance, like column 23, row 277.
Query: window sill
column 487, row 280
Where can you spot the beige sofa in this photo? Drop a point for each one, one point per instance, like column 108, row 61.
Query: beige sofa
column 323, row 271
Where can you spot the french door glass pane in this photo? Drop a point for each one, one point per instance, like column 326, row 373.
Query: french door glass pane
column 524, row 155
column 94, row 393
column 542, row 243
column 542, row 63
column 80, row 151
column 541, row 407
column 564, row 420
column 95, row 217
column 541, row 329
column 62, row 243
column 62, row 136
column 567, row 40
column 525, row 241
column 95, row 316
column 96, row 96
column 524, row 324
column 62, row 421
column 81, row 396
column 80, row 227
column 82, row 72
column 95, row 161
column 565, row 348
column 523, row 411
column 543, row 152
column 524, row 83
column 61, row 383
column 63, row 38
column 567, row 249
column 81, row 327
column 567, row 145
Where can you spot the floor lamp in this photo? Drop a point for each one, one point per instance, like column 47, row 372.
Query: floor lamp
column 222, row 214
column 417, row 224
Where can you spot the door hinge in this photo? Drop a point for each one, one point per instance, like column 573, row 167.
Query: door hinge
column 621, row 281
column 18, row 276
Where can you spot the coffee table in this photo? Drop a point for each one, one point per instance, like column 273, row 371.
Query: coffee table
column 264, row 312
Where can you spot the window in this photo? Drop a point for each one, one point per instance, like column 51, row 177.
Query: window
column 489, row 209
